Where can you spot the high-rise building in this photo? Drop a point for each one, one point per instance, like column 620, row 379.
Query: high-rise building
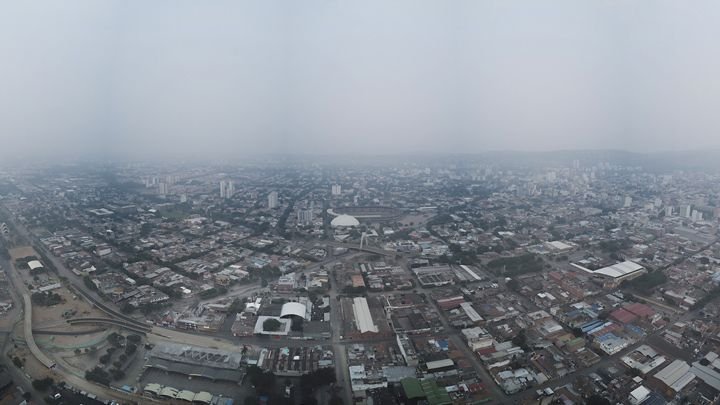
column 696, row 215
column 273, row 200
column 628, row 201
column 686, row 211
column 151, row 181
column 305, row 217
column 668, row 211
column 162, row 188
column 336, row 189
column 227, row 189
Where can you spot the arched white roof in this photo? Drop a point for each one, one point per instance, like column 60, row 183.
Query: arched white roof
column 344, row 220
column 203, row 396
column 35, row 264
column 153, row 388
column 186, row 395
column 293, row 308
column 169, row 392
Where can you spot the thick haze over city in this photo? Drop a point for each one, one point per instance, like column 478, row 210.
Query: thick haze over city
column 230, row 78
column 401, row 202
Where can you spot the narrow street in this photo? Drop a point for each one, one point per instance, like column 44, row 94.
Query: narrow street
column 498, row 395
column 342, row 374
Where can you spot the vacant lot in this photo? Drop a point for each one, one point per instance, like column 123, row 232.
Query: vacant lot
column 23, row 251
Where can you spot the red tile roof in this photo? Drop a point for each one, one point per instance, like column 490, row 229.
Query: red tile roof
column 640, row 310
column 623, row 316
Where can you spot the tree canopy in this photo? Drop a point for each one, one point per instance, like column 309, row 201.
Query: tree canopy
column 271, row 325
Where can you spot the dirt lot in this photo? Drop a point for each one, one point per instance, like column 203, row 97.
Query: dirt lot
column 86, row 360
column 23, row 251
column 415, row 219
column 31, row 366
column 71, row 306
column 68, row 343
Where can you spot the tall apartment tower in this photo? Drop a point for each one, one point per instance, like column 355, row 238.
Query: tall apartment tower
column 273, row 200
column 227, row 189
column 687, row 211
column 336, row 189
column 305, row 217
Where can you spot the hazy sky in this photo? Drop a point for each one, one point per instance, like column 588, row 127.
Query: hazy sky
column 216, row 78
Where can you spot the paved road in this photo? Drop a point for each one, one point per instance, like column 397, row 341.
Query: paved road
column 29, row 338
column 356, row 246
column 18, row 377
column 498, row 395
column 18, row 288
column 342, row 374
column 61, row 372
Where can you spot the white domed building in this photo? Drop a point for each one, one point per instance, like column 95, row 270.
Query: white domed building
column 344, row 221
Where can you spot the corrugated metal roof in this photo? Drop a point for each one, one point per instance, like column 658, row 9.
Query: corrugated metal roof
column 616, row 270
column 431, row 365
column 363, row 318
column 708, row 375
column 673, row 372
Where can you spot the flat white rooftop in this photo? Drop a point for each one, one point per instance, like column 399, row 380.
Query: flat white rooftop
column 616, row 270
column 363, row 318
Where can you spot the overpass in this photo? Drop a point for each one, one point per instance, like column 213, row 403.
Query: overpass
column 366, row 249
column 34, row 349
column 68, row 333
column 109, row 311
column 114, row 322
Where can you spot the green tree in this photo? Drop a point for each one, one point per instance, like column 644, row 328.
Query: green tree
column 596, row 399
column 42, row 384
column 127, row 308
column 264, row 382
column 271, row 325
column 130, row 349
column 98, row 375
column 89, row 283
column 520, row 340
column 134, row 338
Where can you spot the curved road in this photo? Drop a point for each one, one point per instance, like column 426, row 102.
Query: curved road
column 34, row 349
